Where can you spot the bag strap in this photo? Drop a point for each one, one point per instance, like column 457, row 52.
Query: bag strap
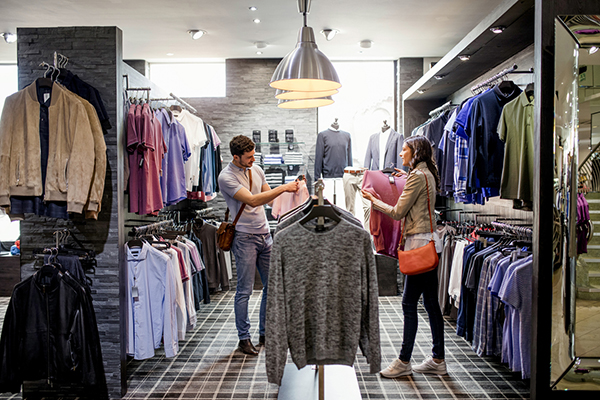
column 428, row 209
column 239, row 214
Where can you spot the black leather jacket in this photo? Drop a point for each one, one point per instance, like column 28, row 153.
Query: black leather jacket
column 50, row 333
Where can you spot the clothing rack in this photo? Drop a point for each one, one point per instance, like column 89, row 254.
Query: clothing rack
column 139, row 230
column 185, row 103
column 441, row 109
column 513, row 229
column 204, row 211
column 498, row 76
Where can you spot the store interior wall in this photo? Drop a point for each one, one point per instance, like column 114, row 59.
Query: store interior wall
column 93, row 54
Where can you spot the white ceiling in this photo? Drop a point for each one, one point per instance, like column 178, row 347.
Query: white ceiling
column 153, row 28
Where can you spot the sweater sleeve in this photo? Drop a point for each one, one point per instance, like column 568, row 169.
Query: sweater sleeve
column 79, row 169
column 319, row 152
column 276, row 323
column 349, row 163
column 413, row 187
column 369, row 326
column 97, row 185
column 5, row 149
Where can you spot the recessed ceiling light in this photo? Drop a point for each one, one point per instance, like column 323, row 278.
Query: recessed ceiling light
column 196, row 33
column 256, row 21
column 170, row 54
column 259, row 52
column 366, row 44
column 9, row 37
column 592, row 49
column 252, row 8
column 329, row 33
column 498, row 29
column 260, row 45
column 420, row 91
column 439, row 77
column 464, row 57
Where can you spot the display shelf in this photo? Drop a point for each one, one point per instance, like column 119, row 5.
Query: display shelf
column 485, row 48
column 279, row 165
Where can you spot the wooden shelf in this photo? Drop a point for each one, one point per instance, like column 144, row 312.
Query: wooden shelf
column 485, row 48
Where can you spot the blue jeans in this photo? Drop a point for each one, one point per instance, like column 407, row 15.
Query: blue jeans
column 414, row 286
column 251, row 251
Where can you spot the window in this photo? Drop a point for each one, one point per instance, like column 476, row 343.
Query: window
column 8, row 82
column 190, row 79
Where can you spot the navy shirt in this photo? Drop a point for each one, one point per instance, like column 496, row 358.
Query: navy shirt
column 333, row 153
column 483, row 124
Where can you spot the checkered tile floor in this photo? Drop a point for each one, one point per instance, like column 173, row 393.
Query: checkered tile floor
column 209, row 367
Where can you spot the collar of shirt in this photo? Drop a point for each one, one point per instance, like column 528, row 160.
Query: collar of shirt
column 524, row 100
column 141, row 256
column 238, row 169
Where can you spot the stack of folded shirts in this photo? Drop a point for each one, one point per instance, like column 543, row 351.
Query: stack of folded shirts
column 289, row 179
column 274, row 178
column 293, row 158
column 273, row 159
column 258, row 157
column 272, row 225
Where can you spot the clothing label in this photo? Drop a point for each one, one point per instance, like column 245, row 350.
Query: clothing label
column 135, row 293
column 46, row 97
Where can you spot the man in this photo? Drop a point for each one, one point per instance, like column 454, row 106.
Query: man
column 252, row 242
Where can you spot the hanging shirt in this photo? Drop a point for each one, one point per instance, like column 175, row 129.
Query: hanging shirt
column 288, row 200
column 516, row 131
column 386, row 231
column 181, row 310
column 333, row 153
column 194, row 129
column 145, row 295
column 172, row 180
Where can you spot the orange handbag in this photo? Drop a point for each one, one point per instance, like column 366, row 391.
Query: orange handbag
column 423, row 259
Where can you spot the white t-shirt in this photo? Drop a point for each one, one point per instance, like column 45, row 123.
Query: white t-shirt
column 383, row 139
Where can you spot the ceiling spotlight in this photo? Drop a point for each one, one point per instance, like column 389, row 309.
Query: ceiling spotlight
column 421, row 91
column 170, row 54
column 196, row 33
column 9, row 37
column 259, row 52
column 260, row 45
column 439, row 77
column 592, row 49
column 256, row 21
column 366, row 44
column 498, row 29
column 252, row 8
column 329, row 33
column 464, row 57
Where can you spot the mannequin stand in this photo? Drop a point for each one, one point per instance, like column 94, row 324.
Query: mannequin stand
column 320, row 382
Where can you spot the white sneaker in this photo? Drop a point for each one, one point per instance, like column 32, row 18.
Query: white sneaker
column 428, row 366
column 396, row 368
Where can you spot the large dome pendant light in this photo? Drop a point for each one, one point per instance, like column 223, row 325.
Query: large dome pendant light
column 305, row 69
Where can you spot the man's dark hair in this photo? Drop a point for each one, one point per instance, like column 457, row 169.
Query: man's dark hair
column 240, row 145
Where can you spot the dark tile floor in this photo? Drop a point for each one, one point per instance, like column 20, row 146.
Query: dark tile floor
column 209, row 367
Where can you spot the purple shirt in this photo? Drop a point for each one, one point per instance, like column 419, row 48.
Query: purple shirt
column 172, row 181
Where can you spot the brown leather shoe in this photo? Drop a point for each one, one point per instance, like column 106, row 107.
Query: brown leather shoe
column 246, row 347
column 261, row 340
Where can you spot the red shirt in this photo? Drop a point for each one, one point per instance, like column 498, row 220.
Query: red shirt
column 385, row 230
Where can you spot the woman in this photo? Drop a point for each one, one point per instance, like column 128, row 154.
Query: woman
column 412, row 205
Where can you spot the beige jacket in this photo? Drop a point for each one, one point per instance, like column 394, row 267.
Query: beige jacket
column 71, row 149
column 412, row 203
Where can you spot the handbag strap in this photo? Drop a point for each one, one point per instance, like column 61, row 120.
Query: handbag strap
column 428, row 209
column 239, row 214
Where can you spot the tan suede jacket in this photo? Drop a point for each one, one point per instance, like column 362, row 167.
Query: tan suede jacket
column 71, row 149
column 412, row 203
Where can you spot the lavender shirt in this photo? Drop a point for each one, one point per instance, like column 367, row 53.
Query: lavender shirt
column 172, row 181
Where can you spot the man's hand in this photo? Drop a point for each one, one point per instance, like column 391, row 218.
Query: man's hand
column 291, row 187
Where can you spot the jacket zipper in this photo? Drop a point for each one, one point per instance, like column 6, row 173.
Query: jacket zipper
column 48, row 333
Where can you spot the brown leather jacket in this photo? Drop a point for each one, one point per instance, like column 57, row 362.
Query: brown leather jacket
column 412, row 203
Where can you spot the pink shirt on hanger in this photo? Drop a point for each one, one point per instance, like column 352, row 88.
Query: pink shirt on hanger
column 385, row 230
column 288, row 200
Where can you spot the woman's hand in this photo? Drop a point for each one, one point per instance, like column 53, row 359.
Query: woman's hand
column 367, row 195
column 399, row 172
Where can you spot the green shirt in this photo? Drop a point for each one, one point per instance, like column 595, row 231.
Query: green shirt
column 516, row 131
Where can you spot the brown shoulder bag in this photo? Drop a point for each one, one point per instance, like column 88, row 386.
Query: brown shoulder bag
column 226, row 231
column 423, row 259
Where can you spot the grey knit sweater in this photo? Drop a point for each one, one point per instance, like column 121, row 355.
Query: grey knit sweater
column 323, row 298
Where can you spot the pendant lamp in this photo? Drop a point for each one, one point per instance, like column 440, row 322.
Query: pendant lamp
column 296, row 95
column 305, row 69
column 305, row 103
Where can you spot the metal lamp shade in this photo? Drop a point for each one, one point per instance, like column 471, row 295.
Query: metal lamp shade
column 291, row 95
column 305, row 69
column 305, row 103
